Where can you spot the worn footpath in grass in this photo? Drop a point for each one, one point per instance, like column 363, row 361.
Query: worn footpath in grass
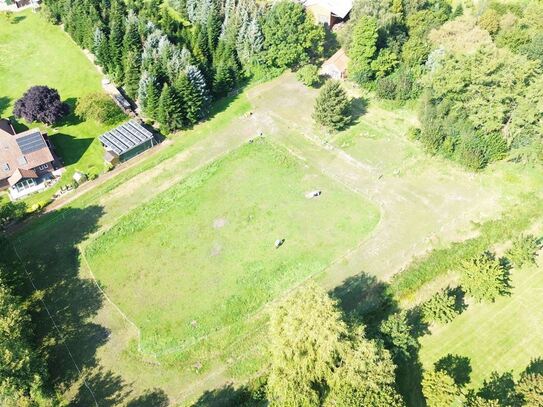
column 503, row 336
column 201, row 256
column 35, row 52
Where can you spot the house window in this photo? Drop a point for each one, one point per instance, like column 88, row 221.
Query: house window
column 24, row 184
column 43, row 167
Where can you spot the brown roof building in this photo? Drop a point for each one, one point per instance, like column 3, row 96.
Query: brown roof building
column 336, row 66
column 26, row 160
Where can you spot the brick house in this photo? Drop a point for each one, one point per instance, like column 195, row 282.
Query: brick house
column 27, row 161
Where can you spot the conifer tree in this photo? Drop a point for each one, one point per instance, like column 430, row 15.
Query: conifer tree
column 332, row 106
column 224, row 80
column 100, row 48
column 170, row 110
column 116, row 36
column 191, row 98
column 132, row 39
column 197, row 79
column 151, row 102
column 132, row 74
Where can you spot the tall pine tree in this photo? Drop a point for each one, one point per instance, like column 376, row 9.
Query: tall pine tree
column 332, row 106
column 170, row 110
column 191, row 97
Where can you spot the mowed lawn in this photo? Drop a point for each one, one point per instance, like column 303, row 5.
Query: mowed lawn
column 503, row 336
column 35, row 52
column 201, row 257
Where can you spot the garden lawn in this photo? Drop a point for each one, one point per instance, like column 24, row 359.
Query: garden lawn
column 503, row 336
column 35, row 52
column 200, row 258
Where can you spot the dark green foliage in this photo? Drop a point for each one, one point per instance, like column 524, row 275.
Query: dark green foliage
column 455, row 366
column 132, row 74
column 397, row 334
column 10, row 211
column 192, row 99
column 401, row 86
column 22, row 372
column 290, row 36
column 362, row 49
column 152, row 101
column 332, row 108
column 309, row 75
column 484, row 278
column 523, row 251
column 170, row 110
column 440, row 308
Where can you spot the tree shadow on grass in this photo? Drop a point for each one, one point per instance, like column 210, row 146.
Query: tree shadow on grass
column 70, row 119
column 151, row 398
column 359, row 107
column 4, row 103
column 457, row 367
column 17, row 19
column 108, row 389
column 228, row 396
column 499, row 387
column 48, row 247
column 365, row 300
column 69, row 148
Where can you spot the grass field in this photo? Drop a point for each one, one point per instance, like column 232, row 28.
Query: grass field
column 503, row 336
column 204, row 250
column 35, row 52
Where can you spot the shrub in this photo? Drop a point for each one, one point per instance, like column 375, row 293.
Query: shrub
column 439, row 389
column 514, row 39
column 386, row 88
column 490, row 21
column 523, row 251
column 484, row 278
column 440, row 308
column 309, row 75
column 98, row 106
column 40, row 104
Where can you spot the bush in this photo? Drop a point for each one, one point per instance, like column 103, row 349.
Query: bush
column 40, row 104
column 523, row 251
column 401, row 86
column 440, row 308
column 98, row 106
column 477, row 151
column 490, row 21
column 309, row 75
column 484, row 278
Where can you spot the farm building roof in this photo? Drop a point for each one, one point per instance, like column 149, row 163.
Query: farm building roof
column 340, row 60
column 126, row 137
column 339, row 8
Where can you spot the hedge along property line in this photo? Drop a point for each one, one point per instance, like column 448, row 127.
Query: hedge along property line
column 441, row 261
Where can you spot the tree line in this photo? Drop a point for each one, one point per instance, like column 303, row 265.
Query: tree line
column 175, row 57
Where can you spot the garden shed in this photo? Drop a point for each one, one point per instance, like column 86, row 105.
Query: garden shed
column 126, row 142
